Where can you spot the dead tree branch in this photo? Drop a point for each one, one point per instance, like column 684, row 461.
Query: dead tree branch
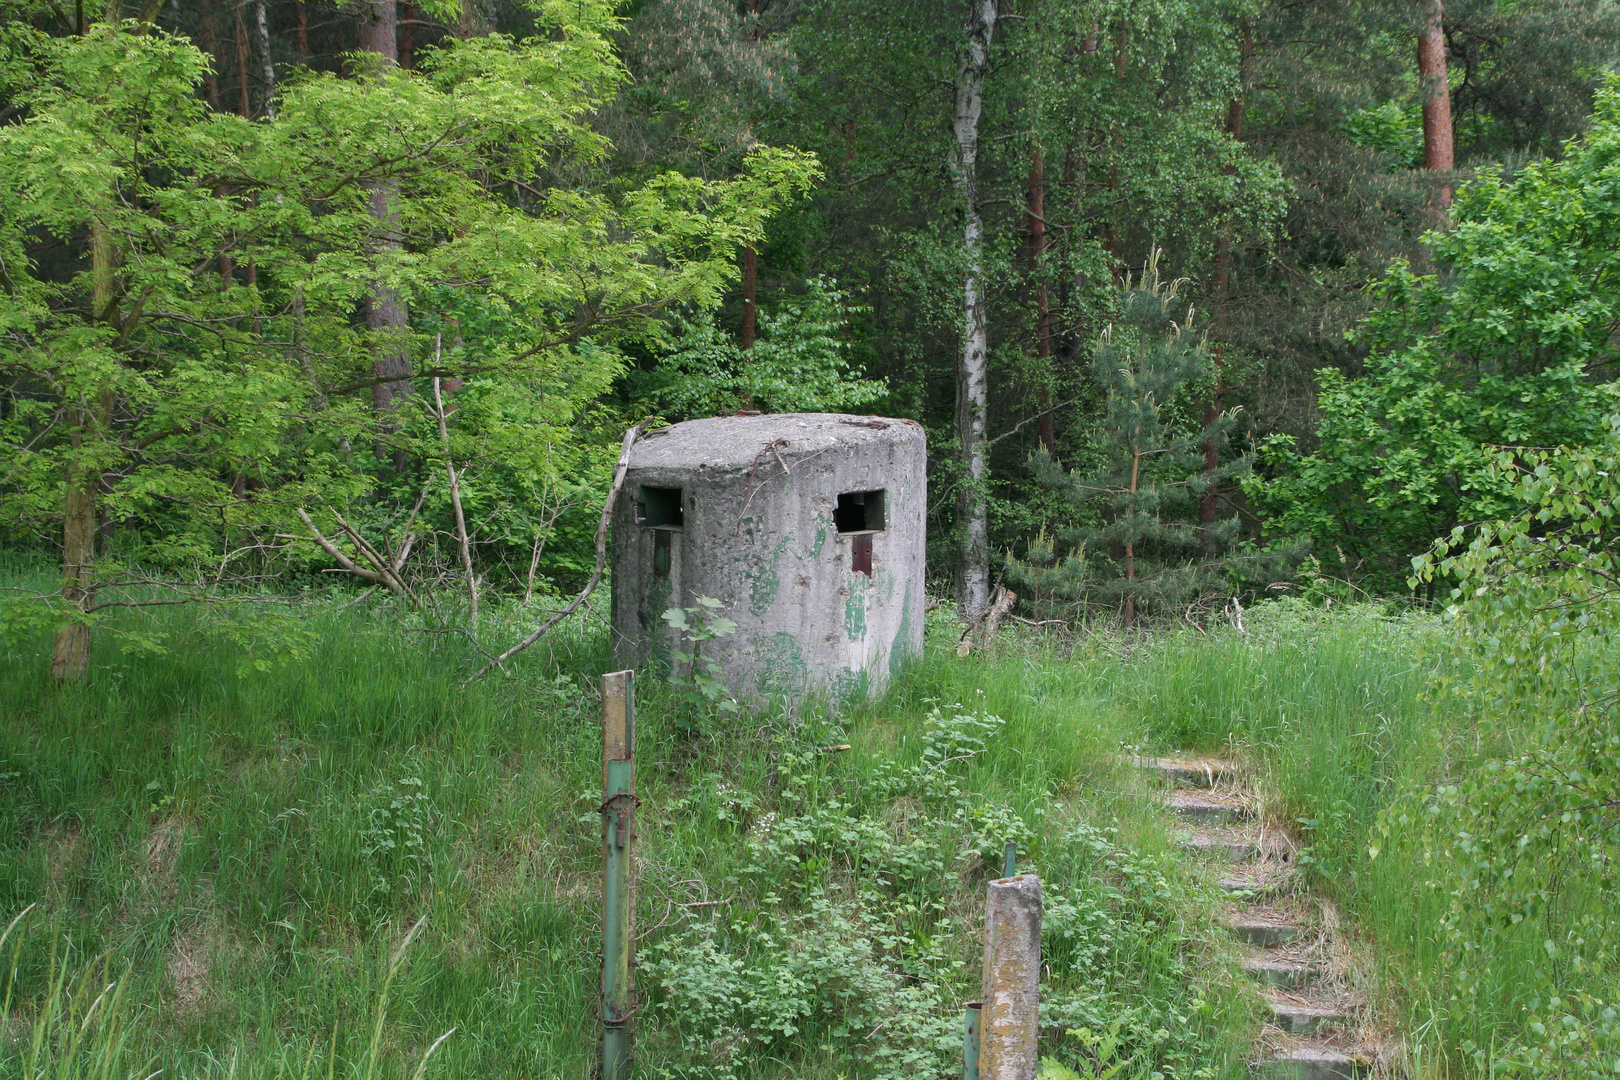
column 619, row 470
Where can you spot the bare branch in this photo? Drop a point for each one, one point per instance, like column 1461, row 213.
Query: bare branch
column 619, row 470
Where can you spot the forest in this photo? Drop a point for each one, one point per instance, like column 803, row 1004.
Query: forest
column 1266, row 352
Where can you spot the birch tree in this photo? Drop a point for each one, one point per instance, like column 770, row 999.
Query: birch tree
column 973, row 365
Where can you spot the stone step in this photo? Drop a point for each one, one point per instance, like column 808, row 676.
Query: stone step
column 1311, row 1064
column 1283, row 974
column 1253, row 888
column 1263, row 932
column 1208, row 809
column 1302, row 1019
column 1193, row 773
column 1221, row 847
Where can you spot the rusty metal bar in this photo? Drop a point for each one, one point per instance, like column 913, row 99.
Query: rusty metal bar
column 618, row 845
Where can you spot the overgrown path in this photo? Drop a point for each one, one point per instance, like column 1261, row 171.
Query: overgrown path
column 1318, row 1026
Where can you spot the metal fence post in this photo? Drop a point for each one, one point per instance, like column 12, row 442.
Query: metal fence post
column 970, row 1039
column 618, row 886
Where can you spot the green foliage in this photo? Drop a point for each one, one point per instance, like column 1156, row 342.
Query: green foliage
column 1393, row 129
column 1525, row 847
column 1098, row 1056
column 700, row 679
column 1134, row 538
column 800, row 363
column 213, row 401
column 873, row 945
column 1508, row 347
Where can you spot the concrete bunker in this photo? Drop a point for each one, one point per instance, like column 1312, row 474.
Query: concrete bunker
column 807, row 527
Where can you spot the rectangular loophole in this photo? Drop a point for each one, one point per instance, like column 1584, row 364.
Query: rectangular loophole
column 860, row 554
column 859, row 511
column 660, row 507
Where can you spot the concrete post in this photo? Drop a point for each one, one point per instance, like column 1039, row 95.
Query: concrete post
column 1012, row 974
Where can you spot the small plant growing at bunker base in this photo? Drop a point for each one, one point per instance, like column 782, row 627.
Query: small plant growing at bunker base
column 700, row 679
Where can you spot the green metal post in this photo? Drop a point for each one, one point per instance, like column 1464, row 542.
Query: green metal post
column 1010, row 869
column 618, row 840
column 970, row 1039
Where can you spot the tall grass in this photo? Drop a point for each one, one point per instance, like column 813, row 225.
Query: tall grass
column 239, row 850
column 1350, row 738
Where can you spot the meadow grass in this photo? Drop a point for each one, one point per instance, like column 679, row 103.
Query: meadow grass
column 1350, row 734
column 240, row 852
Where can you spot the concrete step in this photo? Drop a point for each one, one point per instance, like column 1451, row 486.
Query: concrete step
column 1263, row 932
column 1220, row 847
column 1312, row 1064
column 1208, row 809
column 1302, row 1019
column 1283, row 974
column 1199, row 772
column 1254, row 888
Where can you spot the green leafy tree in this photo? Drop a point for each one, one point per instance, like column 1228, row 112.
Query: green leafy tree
column 1107, row 117
column 1136, row 541
column 178, row 328
column 800, row 364
column 1509, row 346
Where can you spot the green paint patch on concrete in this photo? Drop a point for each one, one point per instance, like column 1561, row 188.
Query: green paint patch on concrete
column 782, row 670
column 883, row 584
column 764, row 582
column 821, row 538
column 900, row 653
column 855, row 607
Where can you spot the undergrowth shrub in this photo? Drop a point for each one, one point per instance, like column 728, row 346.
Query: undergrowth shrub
column 862, row 941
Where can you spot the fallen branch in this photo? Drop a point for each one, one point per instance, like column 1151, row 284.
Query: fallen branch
column 1039, row 622
column 619, row 470
column 990, row 618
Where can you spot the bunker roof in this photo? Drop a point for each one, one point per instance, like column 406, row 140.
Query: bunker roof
column 736, row 442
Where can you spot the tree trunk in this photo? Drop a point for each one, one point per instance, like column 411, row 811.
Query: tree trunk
column 303, row 29
column 1130, row 546
column 1209, row 504
column 1116, row 143
column 70, row 659
column 1046, row 427
column 244, row 100
column 267, row 62
column 211, row 46
column 972, row 375
column 1439, row 153
column 386, row 315
column 407, row 38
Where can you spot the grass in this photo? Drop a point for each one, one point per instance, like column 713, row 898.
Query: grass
column 1352, row 741
column 240, row 853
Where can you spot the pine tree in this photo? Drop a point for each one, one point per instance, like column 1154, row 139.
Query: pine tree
column 1137, row 543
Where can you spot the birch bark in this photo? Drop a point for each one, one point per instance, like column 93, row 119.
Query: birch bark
column 972, row 374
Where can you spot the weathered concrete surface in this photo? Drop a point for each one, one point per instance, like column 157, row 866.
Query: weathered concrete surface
column 757, row 531
column 1010, row 1021
column 1311, row 1064
column 1302, row 1019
